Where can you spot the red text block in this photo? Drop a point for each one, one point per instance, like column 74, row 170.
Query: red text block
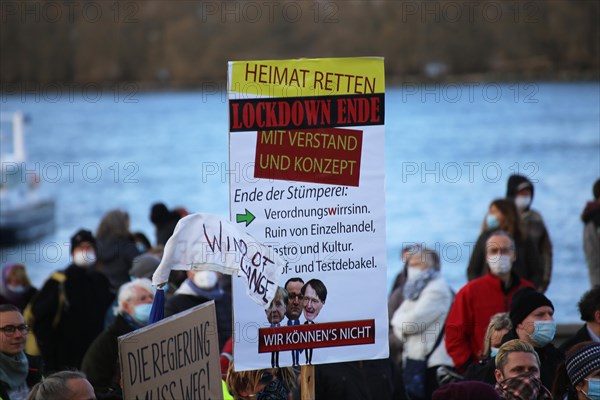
column 312, row 336
column 327, row 155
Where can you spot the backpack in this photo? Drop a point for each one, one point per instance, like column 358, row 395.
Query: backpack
column 31, row 346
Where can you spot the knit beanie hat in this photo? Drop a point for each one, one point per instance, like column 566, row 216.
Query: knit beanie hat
column 524, row 301
column 144, row 265
column 465, row 390
column 81, row 236
column 582, row 362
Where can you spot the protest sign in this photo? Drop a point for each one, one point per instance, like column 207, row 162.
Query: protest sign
column 176, row 358
column 207, row 242
column 309, row 133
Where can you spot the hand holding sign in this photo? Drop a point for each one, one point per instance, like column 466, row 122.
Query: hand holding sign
column 207, row 242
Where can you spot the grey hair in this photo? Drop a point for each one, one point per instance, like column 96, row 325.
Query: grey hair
column 55, row 386
column 127, row 291
column 500, row 233
column 427, row 256
column 281, row 292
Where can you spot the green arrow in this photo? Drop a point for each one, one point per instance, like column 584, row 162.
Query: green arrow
column 248, row 217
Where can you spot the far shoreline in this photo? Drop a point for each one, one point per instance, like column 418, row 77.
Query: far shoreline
column 219, row 84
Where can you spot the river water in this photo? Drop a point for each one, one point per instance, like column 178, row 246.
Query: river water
column 449, row 151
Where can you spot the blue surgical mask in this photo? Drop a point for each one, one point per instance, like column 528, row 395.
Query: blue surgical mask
column 593, row 388
column 543, row 332
column 141, row 247
column 141, row 313
column 16, row 289
column 491, row 221
column 493, row 351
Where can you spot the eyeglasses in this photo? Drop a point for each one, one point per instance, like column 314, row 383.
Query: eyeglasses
column 294, row 297
column 10, row 330
column 313, row 300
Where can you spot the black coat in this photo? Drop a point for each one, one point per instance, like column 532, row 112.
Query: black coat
column 115, row 258
column 582, row 335
column 81, row 319
column 223, row 309
column 355, row 380
column 101, row 361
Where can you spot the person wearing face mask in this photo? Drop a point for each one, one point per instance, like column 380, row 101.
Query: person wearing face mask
column 499, row 326
column 419, row 320
column 261, row 384
column 477, row 301
column 69, row 310
column 583, row 368
column 15, row 287
column 101, row 361
column 532, row 317
column 198, row 288
column 517, row 373
column 503, row 215
column 520, row 190
column 578, row 378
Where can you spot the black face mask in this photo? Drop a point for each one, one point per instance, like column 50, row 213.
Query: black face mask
column 275, row 390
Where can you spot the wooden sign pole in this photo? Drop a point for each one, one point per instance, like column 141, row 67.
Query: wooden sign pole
column 307, row 382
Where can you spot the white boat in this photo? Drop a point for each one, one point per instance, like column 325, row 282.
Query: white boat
column 25, row 213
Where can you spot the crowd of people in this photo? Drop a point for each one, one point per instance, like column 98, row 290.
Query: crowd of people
column 494, row 338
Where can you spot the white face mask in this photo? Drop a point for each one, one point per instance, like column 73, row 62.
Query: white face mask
column 83, row 258
column 206, row 279
column 499, row 265
column 414, row 273
column 522, row 202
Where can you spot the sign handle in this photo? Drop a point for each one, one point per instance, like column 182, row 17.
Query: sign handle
column 307, row 382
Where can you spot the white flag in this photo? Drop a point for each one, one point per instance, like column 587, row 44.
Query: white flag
column 208, row 242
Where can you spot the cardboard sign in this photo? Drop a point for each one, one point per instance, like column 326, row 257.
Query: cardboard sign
column 175, row 358
column 310, row 133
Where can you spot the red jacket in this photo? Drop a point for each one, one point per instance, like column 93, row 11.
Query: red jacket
column 470, row 314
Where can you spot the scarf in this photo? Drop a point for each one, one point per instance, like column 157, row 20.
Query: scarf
column 13, row 370
column 523, row 387
column 131, row 322
column 414, row 287
column 188, row 287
